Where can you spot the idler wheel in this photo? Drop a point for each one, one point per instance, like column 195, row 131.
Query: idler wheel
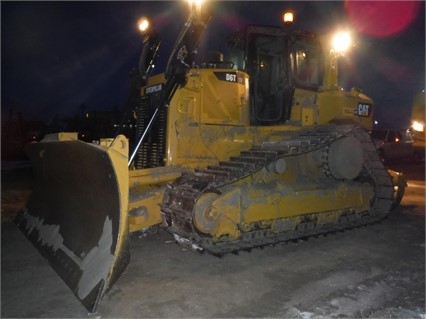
column 345, row 158
column 205, row 217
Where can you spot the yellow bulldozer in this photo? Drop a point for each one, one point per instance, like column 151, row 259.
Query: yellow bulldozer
column 234, row 151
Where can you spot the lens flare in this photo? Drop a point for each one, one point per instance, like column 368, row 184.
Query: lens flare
column 381, row 18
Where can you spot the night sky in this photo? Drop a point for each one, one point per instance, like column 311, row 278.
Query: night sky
column 56, row 56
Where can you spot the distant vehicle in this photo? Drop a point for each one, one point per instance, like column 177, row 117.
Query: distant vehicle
column 418, row 126
column 394, row 145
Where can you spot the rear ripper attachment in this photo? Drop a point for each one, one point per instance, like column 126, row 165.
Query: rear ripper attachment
column 77, row 214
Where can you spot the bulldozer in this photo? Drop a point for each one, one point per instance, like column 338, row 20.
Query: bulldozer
column 234, row 151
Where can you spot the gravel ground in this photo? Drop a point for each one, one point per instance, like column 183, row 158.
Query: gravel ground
column 376, row 271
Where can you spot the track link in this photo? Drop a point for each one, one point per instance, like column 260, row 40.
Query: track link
column 180, row 197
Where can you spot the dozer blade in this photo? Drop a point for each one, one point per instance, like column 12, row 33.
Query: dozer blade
column 77, row 213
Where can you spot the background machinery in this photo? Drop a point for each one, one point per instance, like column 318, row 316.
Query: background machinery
column 418, row 126
column 235, row 151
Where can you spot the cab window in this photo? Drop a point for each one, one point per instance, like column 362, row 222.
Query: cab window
column 308, row 68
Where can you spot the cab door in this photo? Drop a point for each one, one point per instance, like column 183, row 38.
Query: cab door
column 268, row 67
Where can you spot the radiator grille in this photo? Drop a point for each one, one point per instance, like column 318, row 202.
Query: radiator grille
column 151, row 153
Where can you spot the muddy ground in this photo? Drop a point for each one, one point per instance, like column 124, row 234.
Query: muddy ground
column 376, row 271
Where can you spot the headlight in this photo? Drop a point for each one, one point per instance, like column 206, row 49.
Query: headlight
column 143, row 25
column 417, row 126
column 341, row 42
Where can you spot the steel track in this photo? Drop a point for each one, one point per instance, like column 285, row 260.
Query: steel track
column 181, row 196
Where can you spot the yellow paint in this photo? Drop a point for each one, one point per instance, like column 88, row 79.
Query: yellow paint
column 227, row 210
column 143, row 178
column 151, row 205
column 343, row 106
column 61, row 136
column 262, row 206
column 147, row 190
column 308, row 116
column 118, row 153
column 265, row 204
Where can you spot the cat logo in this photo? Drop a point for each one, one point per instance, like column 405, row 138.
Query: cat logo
column 363, row 109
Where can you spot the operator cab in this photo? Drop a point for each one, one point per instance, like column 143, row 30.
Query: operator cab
column 277, row 62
